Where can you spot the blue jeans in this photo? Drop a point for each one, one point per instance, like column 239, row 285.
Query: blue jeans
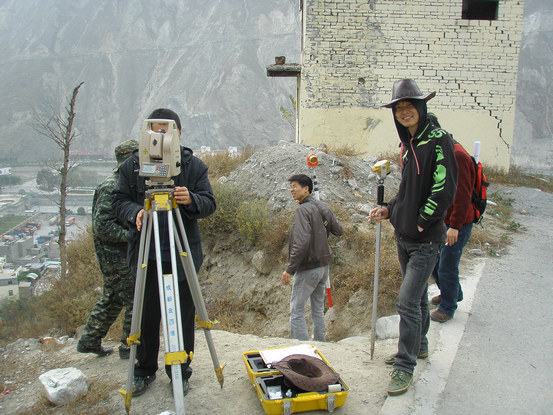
column 308, row 284
column 416, row 261
column 446, row 272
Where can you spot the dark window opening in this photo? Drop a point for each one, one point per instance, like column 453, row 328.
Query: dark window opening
column 480, row 9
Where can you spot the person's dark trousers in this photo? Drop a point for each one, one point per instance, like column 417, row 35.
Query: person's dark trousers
column 446, row 272
column 416, row 261
column 148, row 349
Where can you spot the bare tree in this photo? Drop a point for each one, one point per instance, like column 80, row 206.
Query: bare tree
column 59, row 129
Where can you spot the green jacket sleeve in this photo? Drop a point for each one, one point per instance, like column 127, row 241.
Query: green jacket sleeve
column 105, row 224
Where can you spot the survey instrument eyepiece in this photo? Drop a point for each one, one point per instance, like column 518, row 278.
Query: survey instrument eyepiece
column 312, row 160
column 159, row 152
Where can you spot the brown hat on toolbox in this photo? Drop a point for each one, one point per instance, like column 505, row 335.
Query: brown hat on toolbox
column 407, row 89
column 307, row 372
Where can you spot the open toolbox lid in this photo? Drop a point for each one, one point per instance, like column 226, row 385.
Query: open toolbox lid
column 259, row 361
column 279, row 353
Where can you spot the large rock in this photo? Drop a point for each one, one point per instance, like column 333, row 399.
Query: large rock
column 387, row 327
column 261, row 263
column 64, row 385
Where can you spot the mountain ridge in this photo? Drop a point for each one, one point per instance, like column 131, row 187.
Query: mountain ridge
column 204, row 60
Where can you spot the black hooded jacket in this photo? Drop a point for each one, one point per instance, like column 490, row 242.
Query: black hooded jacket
column 428, row 180
column 129, row 194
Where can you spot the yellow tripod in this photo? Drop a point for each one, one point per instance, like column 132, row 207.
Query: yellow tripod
column 161, row 200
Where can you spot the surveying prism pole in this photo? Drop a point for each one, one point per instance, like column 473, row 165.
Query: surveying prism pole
column 382, row 168
column 313, row 161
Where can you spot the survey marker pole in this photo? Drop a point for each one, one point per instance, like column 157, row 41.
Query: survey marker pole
column 382, row 168
column 313, row 161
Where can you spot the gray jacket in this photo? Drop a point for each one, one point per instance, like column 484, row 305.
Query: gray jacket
column 308, row 247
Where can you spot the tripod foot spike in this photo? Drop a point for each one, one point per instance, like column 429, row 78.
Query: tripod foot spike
column 127, row 397
column 219, row 373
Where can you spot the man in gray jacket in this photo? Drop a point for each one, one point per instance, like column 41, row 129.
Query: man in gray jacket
column 309, row 258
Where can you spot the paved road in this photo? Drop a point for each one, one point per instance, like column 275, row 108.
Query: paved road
column 496, row 356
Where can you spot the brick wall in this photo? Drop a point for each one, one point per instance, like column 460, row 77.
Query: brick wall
column 353, row 50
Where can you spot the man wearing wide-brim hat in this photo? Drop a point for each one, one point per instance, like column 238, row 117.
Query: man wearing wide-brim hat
column 417, row 212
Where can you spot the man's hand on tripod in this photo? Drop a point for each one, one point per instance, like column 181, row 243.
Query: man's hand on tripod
column 139, row 218
column 182, row 196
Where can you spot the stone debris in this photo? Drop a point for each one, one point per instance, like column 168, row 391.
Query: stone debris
column 64, row 385
column 387, row 327
column 341, row 179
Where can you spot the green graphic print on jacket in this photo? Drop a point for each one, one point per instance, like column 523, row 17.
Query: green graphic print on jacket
column 428, row 186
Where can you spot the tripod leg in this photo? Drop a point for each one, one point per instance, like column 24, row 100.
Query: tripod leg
column 140, row 283
column 170, row 314
column 195, row 291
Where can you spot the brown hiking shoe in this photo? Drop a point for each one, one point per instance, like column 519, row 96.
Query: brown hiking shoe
column 436, row 300
column 440, row 316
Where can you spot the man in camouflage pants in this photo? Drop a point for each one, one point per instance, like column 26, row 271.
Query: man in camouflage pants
column 110, row 242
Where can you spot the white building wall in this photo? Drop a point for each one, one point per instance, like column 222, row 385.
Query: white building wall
column 355, row 49
column 9, row 288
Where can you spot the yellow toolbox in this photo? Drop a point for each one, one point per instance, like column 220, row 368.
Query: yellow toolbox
column 280, row 397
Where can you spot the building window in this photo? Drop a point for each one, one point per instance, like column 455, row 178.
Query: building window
column 480, row 9
column 10, row 293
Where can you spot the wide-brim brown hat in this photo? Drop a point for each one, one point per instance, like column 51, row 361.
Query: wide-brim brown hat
column 407, row 89
column 307, row 372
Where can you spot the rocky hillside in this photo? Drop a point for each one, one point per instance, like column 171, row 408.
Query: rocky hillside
column 247, row 281
column 344, row 179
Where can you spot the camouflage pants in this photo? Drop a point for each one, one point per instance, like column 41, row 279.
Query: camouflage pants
column 117, row 294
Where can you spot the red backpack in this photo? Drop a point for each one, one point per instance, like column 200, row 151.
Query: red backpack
column 479, row 197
